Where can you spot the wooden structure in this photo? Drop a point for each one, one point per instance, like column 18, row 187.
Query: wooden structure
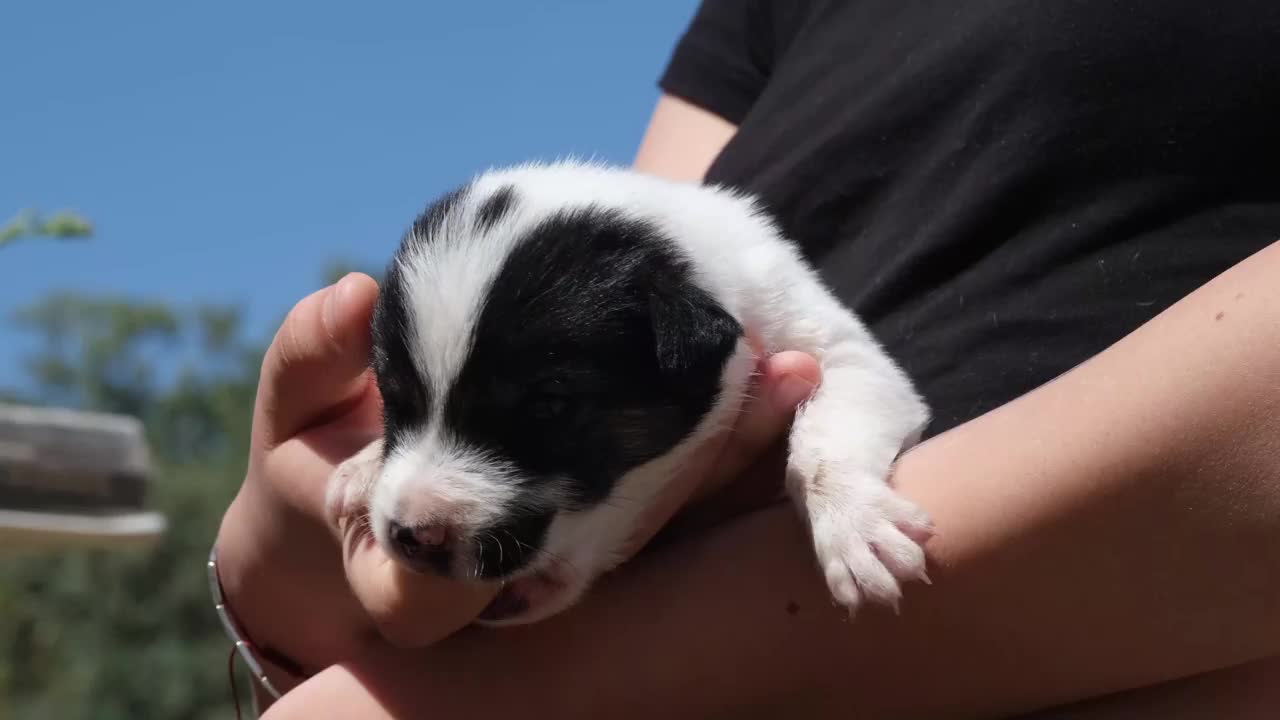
column 73, row 478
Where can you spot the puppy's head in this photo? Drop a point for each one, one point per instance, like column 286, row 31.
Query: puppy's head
column 537, row 351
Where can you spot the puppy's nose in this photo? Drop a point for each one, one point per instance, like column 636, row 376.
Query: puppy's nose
column 426, row 547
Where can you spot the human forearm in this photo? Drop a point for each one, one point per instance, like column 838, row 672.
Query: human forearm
column 1120, row 526
column 1115, row 528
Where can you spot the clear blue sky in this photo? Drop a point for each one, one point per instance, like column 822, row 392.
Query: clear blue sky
column 227, row 151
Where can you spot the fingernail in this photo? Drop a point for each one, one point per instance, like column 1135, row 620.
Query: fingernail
column 337, row 294
column 791, row 391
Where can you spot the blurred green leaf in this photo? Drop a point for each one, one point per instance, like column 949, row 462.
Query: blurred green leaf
column 63, row 225
column 337, row 269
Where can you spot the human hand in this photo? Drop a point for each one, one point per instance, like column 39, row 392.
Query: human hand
column 716, row 482
column 318, row 405
column 707, row 490
column 732, row 474
column 280, row 566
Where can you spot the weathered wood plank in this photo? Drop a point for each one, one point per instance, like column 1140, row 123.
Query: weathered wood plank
column 71, row 476
column 32, row 530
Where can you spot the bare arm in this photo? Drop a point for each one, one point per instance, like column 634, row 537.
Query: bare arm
column 1116, row 528
column 682, row 140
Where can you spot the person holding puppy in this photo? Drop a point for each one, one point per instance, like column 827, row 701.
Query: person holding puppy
column 1043, row 213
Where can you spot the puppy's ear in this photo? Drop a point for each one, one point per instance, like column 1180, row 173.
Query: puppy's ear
column 694, row 335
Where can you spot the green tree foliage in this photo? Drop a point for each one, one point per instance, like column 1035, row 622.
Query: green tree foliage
column 94, row 634
column 338, row 269
column 64, row 225
column 110, row 634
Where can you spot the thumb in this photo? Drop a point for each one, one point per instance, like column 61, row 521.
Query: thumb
column 317, row 360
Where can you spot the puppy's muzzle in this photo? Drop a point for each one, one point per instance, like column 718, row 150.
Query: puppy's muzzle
column 427, row 547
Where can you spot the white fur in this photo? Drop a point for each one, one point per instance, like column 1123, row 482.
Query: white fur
column 432, row 478
column 845, row 438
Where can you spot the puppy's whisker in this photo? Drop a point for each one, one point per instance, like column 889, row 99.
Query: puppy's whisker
column 543, row 551
column 496, row 541
column 478, row 571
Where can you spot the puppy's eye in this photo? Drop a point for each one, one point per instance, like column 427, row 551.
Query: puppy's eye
column 547, row 406
column 550, row 401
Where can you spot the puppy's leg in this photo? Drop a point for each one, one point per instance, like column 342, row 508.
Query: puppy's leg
column 842, row 449
column 846, row 438
column 347, row 495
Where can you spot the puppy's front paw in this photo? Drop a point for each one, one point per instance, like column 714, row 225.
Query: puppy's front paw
column 868, row 539
column 347, row 495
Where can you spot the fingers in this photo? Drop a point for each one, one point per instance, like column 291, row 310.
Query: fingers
column 786, row 380
column 410, row 610
column 315, row 383
column 414, row 610
column 317, row 361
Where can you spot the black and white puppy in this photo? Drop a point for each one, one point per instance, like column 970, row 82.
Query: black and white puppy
column 551, row 342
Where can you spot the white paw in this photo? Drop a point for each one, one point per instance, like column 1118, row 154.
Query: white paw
column 347, row 494
column 868, row 540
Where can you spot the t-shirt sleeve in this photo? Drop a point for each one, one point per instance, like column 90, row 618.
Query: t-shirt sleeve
column 723, row 59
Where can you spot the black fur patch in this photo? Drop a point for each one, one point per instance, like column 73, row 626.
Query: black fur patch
column 594, row 353
column 406, row 398
column 495, row 208
column 428, row 223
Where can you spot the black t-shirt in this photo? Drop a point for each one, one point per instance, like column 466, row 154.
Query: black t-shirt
column 1001, row 188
